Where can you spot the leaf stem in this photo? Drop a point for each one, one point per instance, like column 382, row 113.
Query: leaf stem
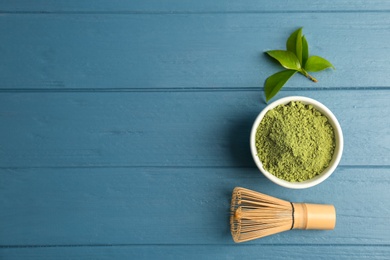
column 307, row 75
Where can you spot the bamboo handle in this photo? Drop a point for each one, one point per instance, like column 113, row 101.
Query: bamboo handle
column 314, row 216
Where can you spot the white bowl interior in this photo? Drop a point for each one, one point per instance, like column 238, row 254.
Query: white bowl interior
column 336, row 155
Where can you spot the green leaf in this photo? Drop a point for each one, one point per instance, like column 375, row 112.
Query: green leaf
column 317, row 63
column 275, row 82
column 305, row 51
column 286, row 58
column 298, row 50
column 292, row 41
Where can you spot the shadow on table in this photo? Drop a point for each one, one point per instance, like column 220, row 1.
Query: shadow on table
column 239, row 135
column 239, row 143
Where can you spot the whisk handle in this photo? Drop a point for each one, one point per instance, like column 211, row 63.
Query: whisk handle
column 314, row 216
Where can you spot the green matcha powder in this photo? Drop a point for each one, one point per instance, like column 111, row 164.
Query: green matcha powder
column 295, row 142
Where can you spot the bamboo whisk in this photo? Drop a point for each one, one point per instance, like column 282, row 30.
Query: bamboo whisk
column 255, row 215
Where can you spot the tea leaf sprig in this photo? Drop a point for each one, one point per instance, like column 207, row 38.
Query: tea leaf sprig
column 295, row 59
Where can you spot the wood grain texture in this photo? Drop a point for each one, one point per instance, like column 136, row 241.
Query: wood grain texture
column 200, row 252
column 133, row 51
column 169, row 128
column 173, row 6
column 176, row 206
column 125, row 124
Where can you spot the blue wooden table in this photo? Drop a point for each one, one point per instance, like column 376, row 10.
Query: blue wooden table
column 125, row 124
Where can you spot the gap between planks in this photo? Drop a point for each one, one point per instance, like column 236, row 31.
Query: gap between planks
column 174, row 167
column 189, row 12
column 188, row 245
column 194, row 89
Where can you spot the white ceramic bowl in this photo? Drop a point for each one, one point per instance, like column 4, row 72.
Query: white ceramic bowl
column 336, row 155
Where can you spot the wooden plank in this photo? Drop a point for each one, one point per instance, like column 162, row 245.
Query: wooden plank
column 186, row 51
column 191, row 6
column 169, row 128
column 111, row 206
column 200, row 252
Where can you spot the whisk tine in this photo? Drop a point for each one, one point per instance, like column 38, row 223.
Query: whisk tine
column 255, row 215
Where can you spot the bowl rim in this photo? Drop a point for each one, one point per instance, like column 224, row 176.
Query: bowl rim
column 338, row 139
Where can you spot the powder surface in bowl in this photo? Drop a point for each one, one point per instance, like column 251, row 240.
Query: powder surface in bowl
column 295, row 142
